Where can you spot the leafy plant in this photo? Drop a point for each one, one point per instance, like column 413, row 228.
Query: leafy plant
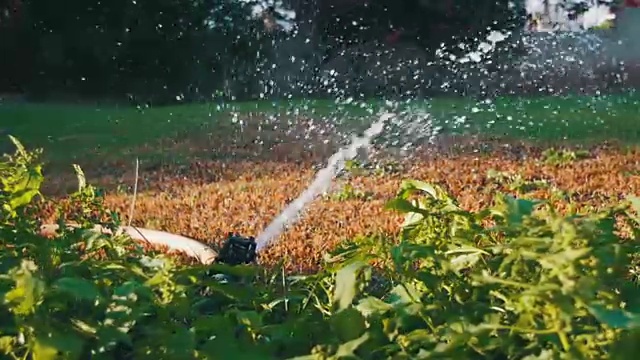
column 378, row 168
column 516, row 183
column 563, row 157
column 349, row 192
column 21, row 177
column 516, row 280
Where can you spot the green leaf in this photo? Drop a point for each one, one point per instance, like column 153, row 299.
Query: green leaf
column 227, row 347
column 28, row 290
column 348, row 348
column 403, row 294
column 419, row 336
column 403, row 206
column 181, row 344
column 22, row 197
column 237, row 270
column 410, row 185
column 251, row 319
column 52, row 343
column 126, row 289
column 635, row 205
column 82, row 179
column 236, row 293
column 618, row 319
column 20, row 149
column 6, row 344
column 79, row 288
column 214, row 324
column 518, row 209
column 83, row 327
column 107, row 335
column 411, row 219
column 44, row 351
column 468, row 257
column 159, row 278
column 371, row 305
column 565, row 257
column 348, row 324
column 346, row 283
column 545, row 354
column 635, row 202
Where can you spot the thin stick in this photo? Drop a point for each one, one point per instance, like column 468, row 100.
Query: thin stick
column 133, row 204
column 135, row 192
column 285, row 290
column 133, row 201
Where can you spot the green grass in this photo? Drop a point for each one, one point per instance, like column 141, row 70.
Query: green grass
column 72, row 132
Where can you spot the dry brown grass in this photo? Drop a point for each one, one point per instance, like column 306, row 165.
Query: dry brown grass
column 205, row 200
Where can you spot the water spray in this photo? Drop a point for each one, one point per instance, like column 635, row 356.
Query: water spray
column 320, row 184
column 237, row 249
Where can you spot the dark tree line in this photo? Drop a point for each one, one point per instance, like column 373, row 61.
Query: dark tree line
column 116, row 48
column 163, row 50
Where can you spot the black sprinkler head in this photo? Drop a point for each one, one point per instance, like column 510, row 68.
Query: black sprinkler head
column 237, row 250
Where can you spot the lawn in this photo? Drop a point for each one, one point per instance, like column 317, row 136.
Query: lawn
column 79, row 133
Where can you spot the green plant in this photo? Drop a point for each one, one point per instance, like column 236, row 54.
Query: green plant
column 563, row 157
column 349, row 192
column 516, row 280
column 516, row 183
column 532, row 285
column 631, row 172
column 21, row 177
column 378, row 168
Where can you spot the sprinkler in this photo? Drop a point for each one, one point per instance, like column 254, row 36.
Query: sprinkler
column 237, row 250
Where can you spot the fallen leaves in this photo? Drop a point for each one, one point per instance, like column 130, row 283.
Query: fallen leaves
column 205, row 199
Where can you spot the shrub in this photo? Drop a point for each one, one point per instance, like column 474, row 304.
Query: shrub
column 514, row 281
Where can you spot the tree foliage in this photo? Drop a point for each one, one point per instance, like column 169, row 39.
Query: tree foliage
column 163, row 49
column 172, row 50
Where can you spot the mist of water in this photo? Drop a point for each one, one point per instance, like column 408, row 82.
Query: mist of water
column 321, row 183
column 546, row 63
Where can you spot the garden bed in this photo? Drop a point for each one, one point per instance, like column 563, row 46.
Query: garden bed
column 204, row 200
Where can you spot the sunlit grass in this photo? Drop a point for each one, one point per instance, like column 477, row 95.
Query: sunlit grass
column 72, row 131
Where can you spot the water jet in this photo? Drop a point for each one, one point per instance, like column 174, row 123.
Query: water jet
column 237, row 249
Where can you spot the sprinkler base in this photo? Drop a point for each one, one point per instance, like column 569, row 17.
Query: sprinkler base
column 237, row 250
